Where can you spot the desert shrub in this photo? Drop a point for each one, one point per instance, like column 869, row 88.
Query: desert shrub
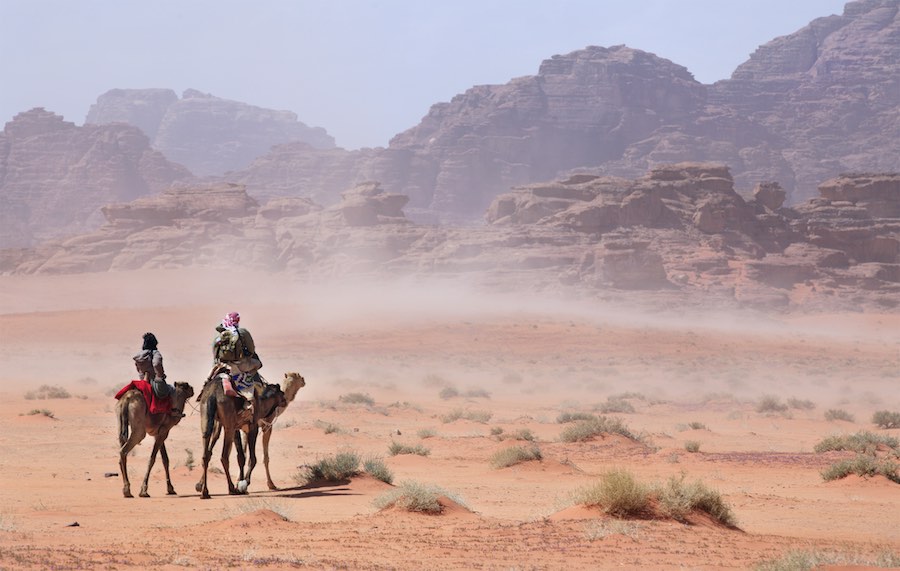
column 397, row 448
column 496, row 430
column 692, row 446
column 862, row 465
column 886, row 419
column 628, row 395
column 838, row 414
column 566, row 417
column 376, row 468
column 448, row 393
column 451, row 416
column 47, row 392
column 588, row 429
column 328, row 427
column 769, row 403
column 697, row 426
column 341, row 466
column 357, row 398
column 41, row 411
column 521, row 434
column 677, row 499
column 801, row 404
column 612, row 405
column 862, row 442
column 426, row 433
column 477, row 394
column 616, row 493
column 414, row 497
column 515, row 455
column 798, row 560
column 189, row 459
column 478, row 415
column 406, row 405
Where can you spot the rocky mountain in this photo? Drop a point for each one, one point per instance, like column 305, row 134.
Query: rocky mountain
column 679, row 232
column 55, row 176
column 803, row 108
column 207, row 134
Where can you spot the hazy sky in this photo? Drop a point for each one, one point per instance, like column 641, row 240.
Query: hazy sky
column 364, row 70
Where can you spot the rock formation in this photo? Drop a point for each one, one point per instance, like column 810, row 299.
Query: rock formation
column 207, row 134
column 680, row 231
column 803, row 108
column 54, row 176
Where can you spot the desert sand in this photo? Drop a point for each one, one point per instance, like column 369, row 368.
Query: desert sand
column 517, row 361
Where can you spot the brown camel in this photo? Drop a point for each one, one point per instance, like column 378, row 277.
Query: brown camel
column 293, row 382
column 134, row 416
column 220, row 413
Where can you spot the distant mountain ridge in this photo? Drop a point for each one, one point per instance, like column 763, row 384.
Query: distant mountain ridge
column 804, row 108
column 207, row 134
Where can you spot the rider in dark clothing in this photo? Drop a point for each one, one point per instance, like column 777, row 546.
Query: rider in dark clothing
column 149, row 365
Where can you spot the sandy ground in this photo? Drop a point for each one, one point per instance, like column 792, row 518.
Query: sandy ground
column 521, row 360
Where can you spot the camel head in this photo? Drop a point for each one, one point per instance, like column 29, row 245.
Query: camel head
column 293, row 382
column 184, row 389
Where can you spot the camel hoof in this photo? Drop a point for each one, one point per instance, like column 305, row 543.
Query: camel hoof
column 273, row 487
column 204, row 496
column 144, row 495
column 128, row 495
column 171, row 493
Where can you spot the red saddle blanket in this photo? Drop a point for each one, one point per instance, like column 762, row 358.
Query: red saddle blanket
column 157, row 406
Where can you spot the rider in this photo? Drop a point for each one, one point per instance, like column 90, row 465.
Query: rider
column 149, row 365
column 244, row 363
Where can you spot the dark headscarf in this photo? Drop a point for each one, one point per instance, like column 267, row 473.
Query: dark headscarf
column 150, row 342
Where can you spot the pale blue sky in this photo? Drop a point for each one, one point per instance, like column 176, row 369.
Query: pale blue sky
column 364, row 70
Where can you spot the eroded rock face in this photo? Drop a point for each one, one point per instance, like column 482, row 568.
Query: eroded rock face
column 55, row 176
column 804, row 108
column 680, row 232
column 207, row 134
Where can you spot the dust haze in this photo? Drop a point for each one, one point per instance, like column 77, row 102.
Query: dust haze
column 402, row 339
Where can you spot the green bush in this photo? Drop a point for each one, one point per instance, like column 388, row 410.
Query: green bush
column 692, row 446
column 376, row 468
column 886, row 419
column 801, row 404
column 838, row 414
column 862, row 442
column 357, row 398
column 515, row 455
column 862, row 465
column 770, row 403
column 414, row 497
column 677, row 499
column 566, row 417
column 341, row 466
column 616, row 493
column 588, row 429
column 613, row 405
column 448, row 393
column 397, row 448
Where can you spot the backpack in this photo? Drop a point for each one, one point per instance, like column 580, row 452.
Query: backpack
column 228, row 346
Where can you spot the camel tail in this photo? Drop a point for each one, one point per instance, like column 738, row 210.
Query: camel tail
column 123, row 425
column 210, row 417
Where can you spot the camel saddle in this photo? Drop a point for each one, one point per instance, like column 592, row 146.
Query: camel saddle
column 155, row 405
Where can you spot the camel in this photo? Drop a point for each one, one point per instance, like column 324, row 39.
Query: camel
column 220, row 413
column 134, row 416
column 293, row 382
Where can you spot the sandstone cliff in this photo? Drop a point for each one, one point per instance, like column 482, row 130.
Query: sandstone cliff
column 207, row 134
column 54, row 176
column 679, row 232
column 803, row 108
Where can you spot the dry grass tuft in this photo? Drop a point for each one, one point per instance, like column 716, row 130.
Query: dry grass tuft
column 415, row 497
column 515, row 455
column 47, row 392
column 616, row 493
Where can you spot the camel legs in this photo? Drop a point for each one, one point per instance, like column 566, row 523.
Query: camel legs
column 159, row 445
column 267, row 435
column 170, row 489
column 208, row 443
column 227, row 441
column 133, row 440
